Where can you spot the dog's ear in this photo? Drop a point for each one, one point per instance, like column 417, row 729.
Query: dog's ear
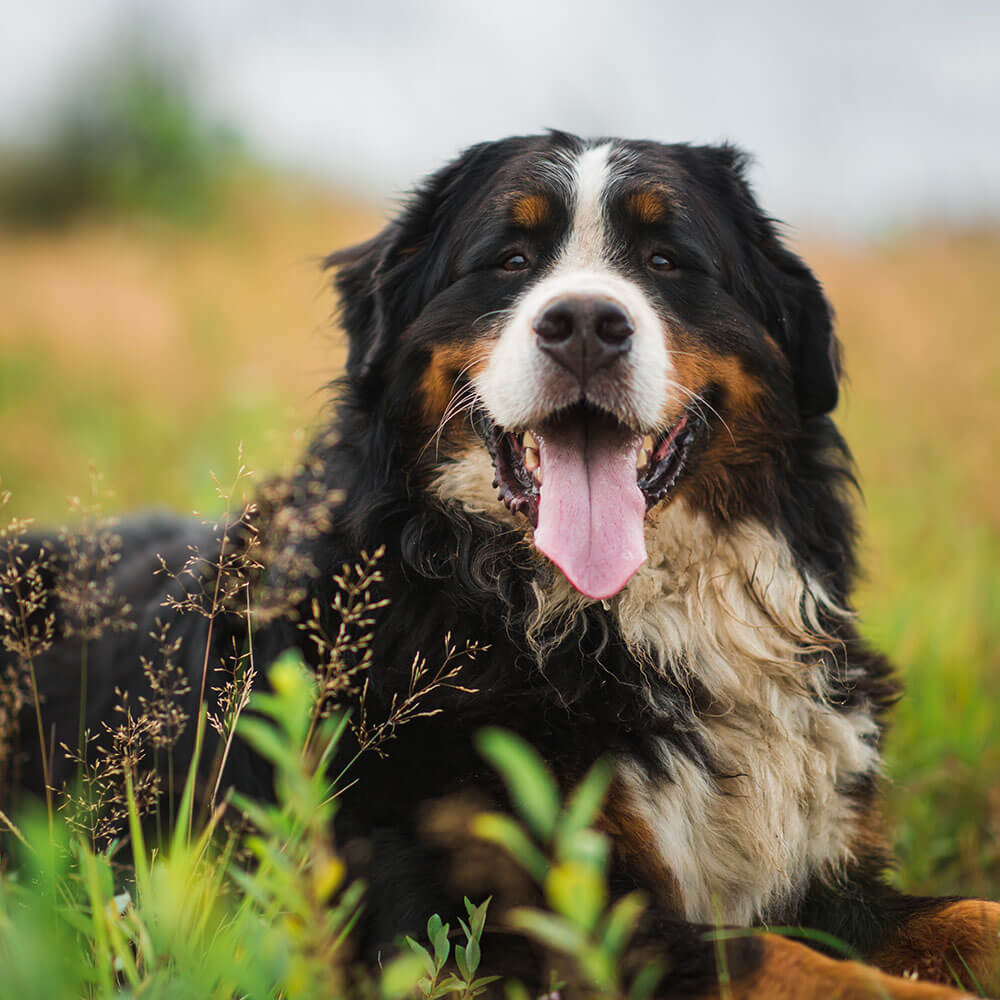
column 802, row 320
column 385, row 282
column 359, row 281
column 786, row 294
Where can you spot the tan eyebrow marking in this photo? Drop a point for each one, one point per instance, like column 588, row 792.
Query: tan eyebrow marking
column 531, row 210
column 647, row 205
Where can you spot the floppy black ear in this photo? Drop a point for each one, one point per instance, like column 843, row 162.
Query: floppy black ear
column 359, row 282
column 385, row 282
column 802, row 320
column 783, row 290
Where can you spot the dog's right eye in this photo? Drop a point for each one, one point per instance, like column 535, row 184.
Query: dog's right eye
column 515, row 262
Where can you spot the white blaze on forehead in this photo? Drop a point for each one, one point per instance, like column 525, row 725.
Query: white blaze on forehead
column 587, row 235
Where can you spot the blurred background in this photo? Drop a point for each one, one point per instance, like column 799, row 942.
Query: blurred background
column 170, row 172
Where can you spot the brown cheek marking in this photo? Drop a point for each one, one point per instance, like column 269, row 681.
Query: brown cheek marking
column 698, row 368
column 438, row 383
column 791, row 971
column 531, row 210
column 952, row 941
column 635, row 849
column 774, row 347
column 752, row 435
column 647, row 205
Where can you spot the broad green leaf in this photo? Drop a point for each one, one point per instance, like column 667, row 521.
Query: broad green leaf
column 578, row 892
column 437, row 932
column 461, row 962
column 532, row 788
column 472, row 958
column 267, row 741
column 484, row 981
column 646, row 980
column 621, row 922
column 500, row 829
column 424, row 955
column 599, row 967
column 477, row 916
column 548, row 929
column 586, row 799
column 585, row 846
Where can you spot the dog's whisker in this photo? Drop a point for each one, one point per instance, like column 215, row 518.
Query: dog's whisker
column 699, row 401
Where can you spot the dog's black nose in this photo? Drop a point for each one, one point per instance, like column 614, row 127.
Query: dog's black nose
column 584, row 333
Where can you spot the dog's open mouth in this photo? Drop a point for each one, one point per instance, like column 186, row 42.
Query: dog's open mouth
column 585, row 482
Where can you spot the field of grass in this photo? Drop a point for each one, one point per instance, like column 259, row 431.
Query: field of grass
column 153, row 351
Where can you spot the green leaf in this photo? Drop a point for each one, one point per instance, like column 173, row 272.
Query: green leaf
column 450, row 985
column 586, row 799
column 424, row 955
column 516, row 990
column 532, row 787
column 438, row 934
column 483, row 981
column 266, row 740
column 460, row 961
column 500, row 829
column 599, row 967
column 472, row 958
column 578, row 892
column 548, row 929
column 646, row 980
column 477, row 916
column 586, row 846
column 621, row 922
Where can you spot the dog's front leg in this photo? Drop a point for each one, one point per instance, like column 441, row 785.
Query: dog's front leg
column 947, row 940
column 765, row 965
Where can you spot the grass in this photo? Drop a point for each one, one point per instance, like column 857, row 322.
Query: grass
column 153, row 350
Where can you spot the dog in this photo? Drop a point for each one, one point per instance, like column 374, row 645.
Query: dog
column 585, row 419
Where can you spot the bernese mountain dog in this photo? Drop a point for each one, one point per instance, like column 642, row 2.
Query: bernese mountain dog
column 585, row 418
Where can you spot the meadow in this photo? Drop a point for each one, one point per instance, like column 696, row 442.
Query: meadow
column 153, row 352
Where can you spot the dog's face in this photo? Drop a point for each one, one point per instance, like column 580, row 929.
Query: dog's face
column 590, row 330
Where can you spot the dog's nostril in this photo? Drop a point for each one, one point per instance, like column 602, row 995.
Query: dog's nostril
column 555, row 324
column 612, row 325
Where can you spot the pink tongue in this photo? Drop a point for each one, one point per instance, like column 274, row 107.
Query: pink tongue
column 591, row 510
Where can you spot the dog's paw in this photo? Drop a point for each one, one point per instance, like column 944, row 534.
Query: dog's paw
column 959, row 942
column 792, row 971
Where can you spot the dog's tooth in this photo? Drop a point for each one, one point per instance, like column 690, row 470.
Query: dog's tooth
column 537, row 473
column 645, row 450
column 528, row 440
column 530, row 458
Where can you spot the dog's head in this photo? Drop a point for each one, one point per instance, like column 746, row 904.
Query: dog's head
column 588, row 330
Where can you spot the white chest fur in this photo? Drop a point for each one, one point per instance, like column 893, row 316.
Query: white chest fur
column 734, row 610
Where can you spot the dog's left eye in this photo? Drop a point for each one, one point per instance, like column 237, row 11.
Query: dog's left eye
column 515, row 262
column 659, row 262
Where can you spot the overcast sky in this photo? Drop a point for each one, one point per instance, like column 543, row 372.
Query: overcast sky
column 861, row 114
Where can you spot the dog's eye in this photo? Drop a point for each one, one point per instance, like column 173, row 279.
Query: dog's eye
column 515, row 262
column 658, row 262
